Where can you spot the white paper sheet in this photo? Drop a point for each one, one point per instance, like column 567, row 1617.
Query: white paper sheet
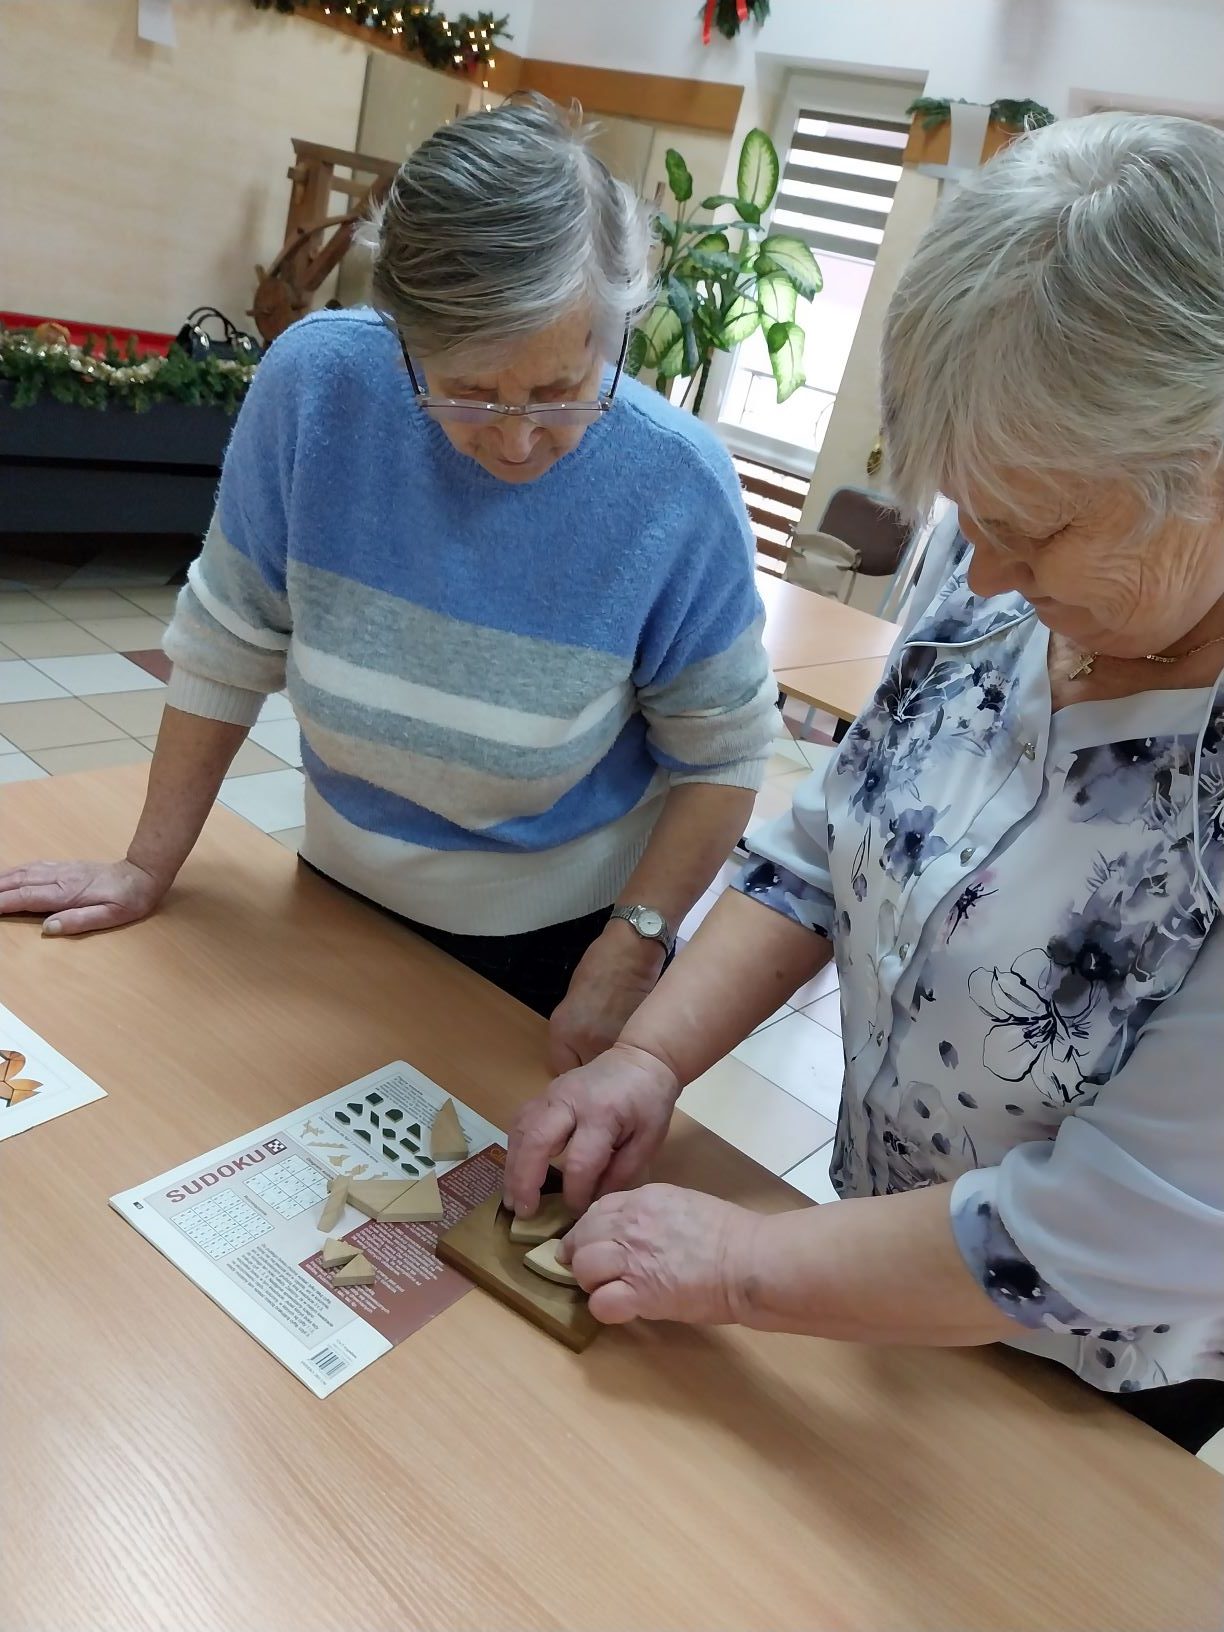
column 36, row 1083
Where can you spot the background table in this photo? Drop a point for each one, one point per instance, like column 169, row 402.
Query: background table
column 160, row 1471
column 841, row 689
column 803, row 628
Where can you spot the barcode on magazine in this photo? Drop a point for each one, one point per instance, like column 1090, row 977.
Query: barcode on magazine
column 327, row 1362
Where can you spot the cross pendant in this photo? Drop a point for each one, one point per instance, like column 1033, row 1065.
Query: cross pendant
column 1084, row 666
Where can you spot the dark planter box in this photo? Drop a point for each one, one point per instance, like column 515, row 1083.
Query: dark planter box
column 65, row 469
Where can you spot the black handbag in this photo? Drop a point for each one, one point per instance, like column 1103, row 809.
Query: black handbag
column 232, row 345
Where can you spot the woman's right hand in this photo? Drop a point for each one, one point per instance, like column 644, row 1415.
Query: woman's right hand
column 602, row 1124
column 81, row 895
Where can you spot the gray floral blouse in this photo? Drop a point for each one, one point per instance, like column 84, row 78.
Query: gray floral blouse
column 1023, row 906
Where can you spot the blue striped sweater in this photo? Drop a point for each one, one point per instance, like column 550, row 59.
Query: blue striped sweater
column 496, row 684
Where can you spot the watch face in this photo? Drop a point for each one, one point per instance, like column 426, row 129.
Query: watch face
column 650, row 923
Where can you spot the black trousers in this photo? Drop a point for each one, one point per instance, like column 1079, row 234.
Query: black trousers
column 1187, row 1413
column 536, row 967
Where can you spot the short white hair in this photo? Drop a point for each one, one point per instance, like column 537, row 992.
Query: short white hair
column 503, row 222
column 1064, row 315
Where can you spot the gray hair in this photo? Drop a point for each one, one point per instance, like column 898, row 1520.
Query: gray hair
column 1064, row 314
column 500, row 223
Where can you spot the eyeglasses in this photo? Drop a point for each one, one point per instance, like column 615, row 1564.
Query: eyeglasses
column 459, row 411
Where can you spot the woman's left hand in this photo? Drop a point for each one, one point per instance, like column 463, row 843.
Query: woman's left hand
column 662, row 1253
column 617, row 974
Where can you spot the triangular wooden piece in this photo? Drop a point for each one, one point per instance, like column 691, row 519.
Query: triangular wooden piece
column 359, row 1271
column 12, row 1064
column 337, row 1252
column 447, row 1140
column 333, row 1207
column 370, row 1196
column 552, row 1217
column 543, row 1259
column 421, row 1203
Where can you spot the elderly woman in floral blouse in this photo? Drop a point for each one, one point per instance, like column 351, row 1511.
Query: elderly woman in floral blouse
column 1017, row 855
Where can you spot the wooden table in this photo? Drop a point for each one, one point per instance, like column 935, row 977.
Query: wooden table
column 160, row 1471
column 841, row 689
column 803, row 628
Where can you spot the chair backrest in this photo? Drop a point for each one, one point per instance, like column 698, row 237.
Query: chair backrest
column 870, row 526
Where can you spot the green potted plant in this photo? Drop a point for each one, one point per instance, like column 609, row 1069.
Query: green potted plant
column 721, row 281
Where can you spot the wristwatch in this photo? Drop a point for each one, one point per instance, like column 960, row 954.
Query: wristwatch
column 650, row 925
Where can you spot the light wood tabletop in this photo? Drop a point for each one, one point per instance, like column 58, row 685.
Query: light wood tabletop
column 161, row 1471
column 803, row 628
column 842, row 689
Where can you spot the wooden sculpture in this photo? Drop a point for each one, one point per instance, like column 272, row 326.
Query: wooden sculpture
column 309, row 255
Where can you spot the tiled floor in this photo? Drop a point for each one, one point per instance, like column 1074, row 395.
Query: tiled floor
column 82, row 686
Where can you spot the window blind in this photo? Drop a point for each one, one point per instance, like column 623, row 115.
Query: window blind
column 839, row 181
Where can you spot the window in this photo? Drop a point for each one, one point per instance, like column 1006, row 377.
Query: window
column 838, row 181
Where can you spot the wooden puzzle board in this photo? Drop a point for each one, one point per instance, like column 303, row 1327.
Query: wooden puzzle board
column 480, row 1247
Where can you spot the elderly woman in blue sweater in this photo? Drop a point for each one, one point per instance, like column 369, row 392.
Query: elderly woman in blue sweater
column 509, row 591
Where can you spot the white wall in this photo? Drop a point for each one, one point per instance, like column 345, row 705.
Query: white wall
column 138, row 181
column 979, row 49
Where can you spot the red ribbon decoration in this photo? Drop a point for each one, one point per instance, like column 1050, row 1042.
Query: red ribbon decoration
column 741, row 11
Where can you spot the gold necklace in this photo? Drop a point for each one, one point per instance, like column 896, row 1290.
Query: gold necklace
column 1087, row 659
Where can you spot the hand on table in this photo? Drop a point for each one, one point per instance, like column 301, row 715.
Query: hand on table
column 617, row 974
column 80, row 895
column 602, row 1123
column 663, row 1253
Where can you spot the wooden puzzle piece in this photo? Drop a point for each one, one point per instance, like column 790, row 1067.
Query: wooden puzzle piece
column 479, row 1246
column 370, row 1196
column 12, row 1064
column 337, row 1252
column 447, row 1140
column 543, row 1261
column 552, row 1217
column 420, row 1203
column 333, row 1207
column 359, row 1271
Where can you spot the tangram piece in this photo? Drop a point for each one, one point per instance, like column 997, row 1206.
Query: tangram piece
column 333, row 1207
column 552, row 1217
column 420, row 1203
column 359, row 1271
column 447, row 1140
column 337, row 1253
column 370, row 1196
column 480, row 1247
column 543, row 1260
column 13, row 1086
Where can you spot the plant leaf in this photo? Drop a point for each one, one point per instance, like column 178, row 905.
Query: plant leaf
column 635, row 354
column 713, row 243
column 780, row 253
column 777, row 297
column 680, row 299
column 666, row 228
column 692, row 350
column 785, row 342
column 757, row 178
column 660, row 330
column 716, row 199
column 678, row 177
column 742, row 318
column 671, row 364
column 718, row 261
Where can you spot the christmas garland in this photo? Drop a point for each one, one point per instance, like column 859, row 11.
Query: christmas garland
column 415, row 27
column 729, row 16
column 935, row 111
column 41, row 361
